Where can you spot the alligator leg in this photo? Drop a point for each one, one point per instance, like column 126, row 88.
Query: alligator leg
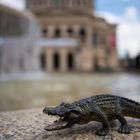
column 101, row 117
column 124, row 128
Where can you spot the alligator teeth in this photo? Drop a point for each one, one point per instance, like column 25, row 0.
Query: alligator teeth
column 61, row 118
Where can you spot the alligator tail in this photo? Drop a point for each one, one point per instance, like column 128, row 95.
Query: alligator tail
column 131, row 108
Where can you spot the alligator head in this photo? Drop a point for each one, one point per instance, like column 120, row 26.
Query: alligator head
column 67, row 113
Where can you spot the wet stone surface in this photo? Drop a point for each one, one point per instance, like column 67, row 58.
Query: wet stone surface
column 30, row 124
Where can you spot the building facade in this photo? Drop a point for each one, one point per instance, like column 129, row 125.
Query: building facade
column 18, row 48
column 73, row 38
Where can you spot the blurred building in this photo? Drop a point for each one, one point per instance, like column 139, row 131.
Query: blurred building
column 131, row 64
column 134, row 63
column 137, row 62
column 18, row 34
column 73, row 38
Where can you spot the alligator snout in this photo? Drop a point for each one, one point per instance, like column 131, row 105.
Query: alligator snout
column 46, row 110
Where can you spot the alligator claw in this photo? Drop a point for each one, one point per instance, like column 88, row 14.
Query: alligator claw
column 124, row 129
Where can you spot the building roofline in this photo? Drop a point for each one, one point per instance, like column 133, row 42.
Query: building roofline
column 25, row 14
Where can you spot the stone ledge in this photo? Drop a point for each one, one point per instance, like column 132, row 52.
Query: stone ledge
column 29, row 125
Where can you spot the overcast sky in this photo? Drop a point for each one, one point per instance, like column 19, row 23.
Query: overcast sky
column 124, row 12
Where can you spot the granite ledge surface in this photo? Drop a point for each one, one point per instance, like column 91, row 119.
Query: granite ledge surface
column 29, row 125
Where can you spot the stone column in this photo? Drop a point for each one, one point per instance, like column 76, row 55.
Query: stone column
column 63, row 60
column 64, row 31
column 88, row 41
column 49, row 61
column 76, row 29
column 50, row 31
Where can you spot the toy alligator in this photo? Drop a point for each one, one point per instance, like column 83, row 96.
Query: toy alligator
column 101, row 108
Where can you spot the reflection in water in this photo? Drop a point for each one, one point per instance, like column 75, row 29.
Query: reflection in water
column 66, row 87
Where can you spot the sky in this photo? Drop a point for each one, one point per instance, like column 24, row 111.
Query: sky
column 126, row 13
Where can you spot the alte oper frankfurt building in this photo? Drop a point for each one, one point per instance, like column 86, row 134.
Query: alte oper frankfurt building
column 56, row 35
column 73, row 38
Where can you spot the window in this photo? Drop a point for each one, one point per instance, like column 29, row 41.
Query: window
column 95, row 39
column 44, row 32
column 56, row 61
column 57, row 33
column 70, row 61
column 70, row 32
column 82, row 33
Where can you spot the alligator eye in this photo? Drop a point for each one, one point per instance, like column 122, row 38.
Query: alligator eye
column 74, row 114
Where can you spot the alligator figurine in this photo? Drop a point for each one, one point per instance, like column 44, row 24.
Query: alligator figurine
column 101, row 108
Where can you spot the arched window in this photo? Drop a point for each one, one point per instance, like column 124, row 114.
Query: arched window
column 70, row 61
column 56, row 61
column 82, row 33
column 44, row 32
column 70, row 32
column 57, row 33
